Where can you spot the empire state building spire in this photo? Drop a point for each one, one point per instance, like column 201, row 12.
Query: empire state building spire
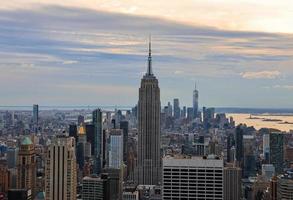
column 150, row 70
column 149, row 164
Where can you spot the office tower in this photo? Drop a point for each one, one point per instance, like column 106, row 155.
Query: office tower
column 268, row 171
column 273, row 188
column 93, row 188
column 26, row 166
column 192, row 178
column 266, row 146
column 176, row 108
column 73, row 131
column 183, row 112
column 170, row 110
column 116, row 148
column 114, row 179
column 277, row 151
column 149, row 160
column 285, row 186
column 208, row 117
column 249, row 162
column 232, row 183
column 229, row 146
column 80, row 119
column 195, row 102
column 11, row 156
column 90, row 136
column 239, row 144
column 81, row 146
column 60, row 169
column 98, row 140
column 35, row 114
column 118, row 117
column 189, row 113
column 134, row 111
column 124, row 127
column 35, row 117
column 4, row 178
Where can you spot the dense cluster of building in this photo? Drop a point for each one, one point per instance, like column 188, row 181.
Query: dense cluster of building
column 147, row 152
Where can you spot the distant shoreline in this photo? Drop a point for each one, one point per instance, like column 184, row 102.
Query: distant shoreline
column 252, row 111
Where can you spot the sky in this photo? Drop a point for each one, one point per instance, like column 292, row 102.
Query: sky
column 86, row 52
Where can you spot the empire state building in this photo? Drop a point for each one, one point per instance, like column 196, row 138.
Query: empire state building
column 149, row 107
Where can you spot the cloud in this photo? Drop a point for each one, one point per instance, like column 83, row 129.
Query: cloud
column 261, row 75
column 46, row 48
column 275, row 16
column 286, row 87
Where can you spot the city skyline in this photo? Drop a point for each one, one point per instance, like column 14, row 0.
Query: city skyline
column 77, row 55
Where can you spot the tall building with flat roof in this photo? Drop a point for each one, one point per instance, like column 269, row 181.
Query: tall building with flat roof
column 93, row 188
column 149, row 110
column 239, row 154
column 124, row 126
column 116, row 148
column 35, row 117
column 36, row 113
column 232, row 183
column 60, row 169
column 192, row 178
column 277, row 151
column 176, row 108
column 98, row 140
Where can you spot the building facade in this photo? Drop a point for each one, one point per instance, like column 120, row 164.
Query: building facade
column 26, row 166
column 93, row 188
column 98, row 140
column 60, row 169
column 277, row 151
column 192, row 178
column 232, row 183
column 116, row 148
column 149, row 109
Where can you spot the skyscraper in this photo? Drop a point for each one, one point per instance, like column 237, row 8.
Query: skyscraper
column 60, row 169
column 81, row 146
column 195, row 102
column 249, row 158
column 116, row 148
column 94, row 188
column 266, row 146
column 35, row 113
column 26, row 166
column 90, row 136
column 192, row 178
column 149, row 108
column 73, row 131
column 35, row 117
column 124, row 127
column 176, row 108
column 239, row 145
column 232, row 183
column 98, row 140
column 277, row 151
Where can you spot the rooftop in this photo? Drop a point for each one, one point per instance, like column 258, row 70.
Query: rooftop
column 26, row 141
